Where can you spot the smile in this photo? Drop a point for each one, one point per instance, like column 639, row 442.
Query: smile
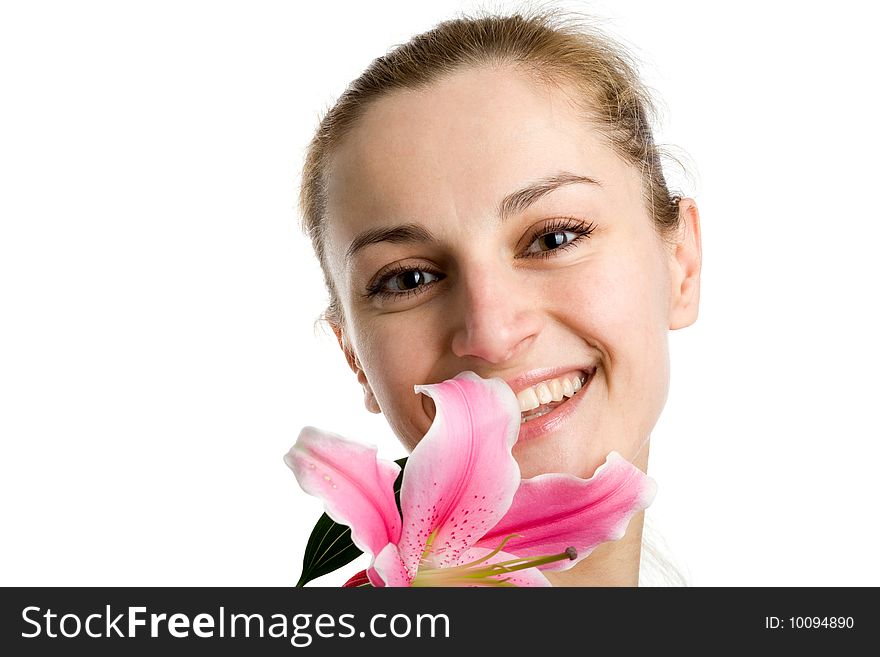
column 546, row 396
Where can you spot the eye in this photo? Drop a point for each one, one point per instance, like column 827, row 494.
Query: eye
column 550, row 241
column 408, row 280
column 402, row 282
column 558, row 235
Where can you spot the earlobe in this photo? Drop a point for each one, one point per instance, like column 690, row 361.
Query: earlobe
column 370, row 402
column 687, row 262
column 351, row 358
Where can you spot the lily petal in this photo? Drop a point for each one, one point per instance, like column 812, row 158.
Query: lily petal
column 551, row 512
column 461, row 478
column 357, row 488
column 357, row 580
column 388, row 569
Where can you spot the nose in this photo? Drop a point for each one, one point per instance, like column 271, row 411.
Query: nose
column 495, row 320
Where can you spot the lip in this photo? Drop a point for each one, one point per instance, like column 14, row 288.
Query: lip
column 547, row 422
column 552, row 420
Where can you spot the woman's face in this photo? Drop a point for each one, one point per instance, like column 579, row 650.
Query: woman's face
column 481, row 224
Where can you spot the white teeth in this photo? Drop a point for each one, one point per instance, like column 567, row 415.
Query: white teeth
column 528, row 399
column 556, row 389
column 543, row 391
column 553, row 390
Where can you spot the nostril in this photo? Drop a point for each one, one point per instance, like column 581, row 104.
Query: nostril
column 495, row 345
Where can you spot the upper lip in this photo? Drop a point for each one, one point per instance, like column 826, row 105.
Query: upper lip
column 532, row 377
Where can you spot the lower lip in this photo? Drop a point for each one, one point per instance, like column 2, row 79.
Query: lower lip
column 552, row 420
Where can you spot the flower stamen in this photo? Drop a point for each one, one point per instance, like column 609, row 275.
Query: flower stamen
column 479, row 573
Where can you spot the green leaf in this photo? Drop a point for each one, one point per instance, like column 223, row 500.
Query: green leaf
column 330, row 547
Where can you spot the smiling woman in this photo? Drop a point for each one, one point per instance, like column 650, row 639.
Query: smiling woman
column 488, row 197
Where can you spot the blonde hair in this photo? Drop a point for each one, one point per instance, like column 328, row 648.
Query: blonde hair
column 553, row 48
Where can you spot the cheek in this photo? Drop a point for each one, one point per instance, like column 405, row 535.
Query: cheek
column 622, row 311
column 639, row 346
column 395, row 358
column 623, row 307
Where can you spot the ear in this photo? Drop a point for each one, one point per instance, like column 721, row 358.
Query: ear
column 686, row 263
column 351, row 358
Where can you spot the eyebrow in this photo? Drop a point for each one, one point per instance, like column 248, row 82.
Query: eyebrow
column 513, row 203
column 521, row 199
column 402, row 234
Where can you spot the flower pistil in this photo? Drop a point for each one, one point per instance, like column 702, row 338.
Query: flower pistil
column 479, row 572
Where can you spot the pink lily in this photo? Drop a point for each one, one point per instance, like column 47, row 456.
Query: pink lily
column 468, row 517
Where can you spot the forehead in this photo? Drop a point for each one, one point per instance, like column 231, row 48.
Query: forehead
column 459, row 145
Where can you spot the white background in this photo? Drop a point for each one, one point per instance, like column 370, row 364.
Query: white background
column 157, row 300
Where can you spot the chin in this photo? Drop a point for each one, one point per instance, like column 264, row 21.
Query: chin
column 535, row 459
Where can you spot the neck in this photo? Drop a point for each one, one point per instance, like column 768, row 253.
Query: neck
column 615, row 563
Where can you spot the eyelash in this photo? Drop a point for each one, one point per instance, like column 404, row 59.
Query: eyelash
column 581, row 229
column 377, row 288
